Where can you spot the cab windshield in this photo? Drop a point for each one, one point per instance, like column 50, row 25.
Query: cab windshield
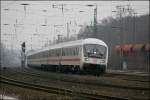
column 94, row 51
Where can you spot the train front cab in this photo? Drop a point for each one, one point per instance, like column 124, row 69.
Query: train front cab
column 94, row 58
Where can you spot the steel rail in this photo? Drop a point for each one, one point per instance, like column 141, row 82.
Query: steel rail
column 123, row 77
column 55, row 90
column 102, row 84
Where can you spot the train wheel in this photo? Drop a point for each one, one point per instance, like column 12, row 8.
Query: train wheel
column 77, row 70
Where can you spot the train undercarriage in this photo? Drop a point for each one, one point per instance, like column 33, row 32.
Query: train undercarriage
column 87, row 68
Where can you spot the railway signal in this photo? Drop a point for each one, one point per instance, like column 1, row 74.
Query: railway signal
column 23, row 45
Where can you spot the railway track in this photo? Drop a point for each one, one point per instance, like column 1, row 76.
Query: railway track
column 60, row 91
column 128, row 77
column 90, row 83
column 26, row 71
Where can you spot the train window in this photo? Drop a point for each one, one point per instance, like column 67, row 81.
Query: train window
column 40, row 54
column 74, row 51
column 35, row 56
column 71, row 51
column 49, row 53
column 52, row 53
column 57, row 52
column 67, row 52
column 45, row 54
column 63, row 52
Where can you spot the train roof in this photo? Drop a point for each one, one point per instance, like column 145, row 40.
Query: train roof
column 70, row 43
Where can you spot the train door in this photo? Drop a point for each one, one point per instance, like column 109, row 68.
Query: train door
column 81, row 50
column 59, row 57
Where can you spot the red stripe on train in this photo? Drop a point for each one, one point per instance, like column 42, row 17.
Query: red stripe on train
column 75, row 59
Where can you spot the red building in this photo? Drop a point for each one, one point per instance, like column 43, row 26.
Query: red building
column 130, row 57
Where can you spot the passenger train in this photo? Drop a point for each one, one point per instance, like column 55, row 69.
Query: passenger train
column 87, row 55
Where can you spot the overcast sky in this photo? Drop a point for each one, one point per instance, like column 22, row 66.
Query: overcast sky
column 24, row 23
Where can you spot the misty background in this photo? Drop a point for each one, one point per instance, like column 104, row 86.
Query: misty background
column 23, row 27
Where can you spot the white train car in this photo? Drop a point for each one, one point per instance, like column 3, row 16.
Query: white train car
column 88, row 55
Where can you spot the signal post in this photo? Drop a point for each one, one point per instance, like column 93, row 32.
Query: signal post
column 23, row 57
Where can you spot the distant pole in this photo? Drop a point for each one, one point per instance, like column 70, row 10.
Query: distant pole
column 68, row 31
column 134, row 30
column 62, row 8
column 0, row 52
column 123, row 63
column 59, row 38
column 45, row 19
column 95, row 22
column 31, row 42
column 25, row 9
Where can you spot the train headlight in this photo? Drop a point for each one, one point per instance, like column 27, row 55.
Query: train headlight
column 86, row 59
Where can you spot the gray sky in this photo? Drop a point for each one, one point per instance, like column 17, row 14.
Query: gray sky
column 25, row 24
